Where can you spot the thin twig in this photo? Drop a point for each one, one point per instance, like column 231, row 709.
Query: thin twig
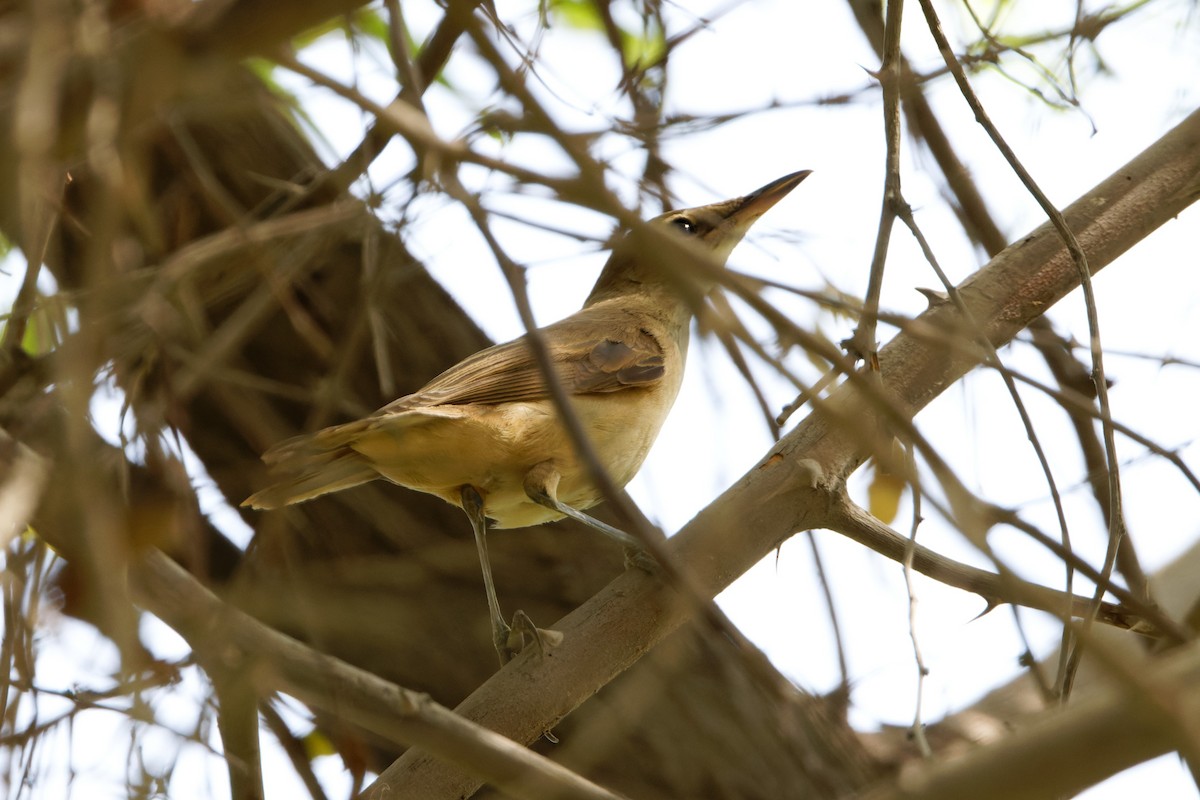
column 1073, row 377
column 996, row 589
column 1058, row 220
column 1010, row 386
column 1057, row 757
column 356, row 696
column 294, row 749
column 831, row 609
column 729, row 331
column 862, row 344
column 918, row 727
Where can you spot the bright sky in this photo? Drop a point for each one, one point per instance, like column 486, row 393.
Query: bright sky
column 793, row 53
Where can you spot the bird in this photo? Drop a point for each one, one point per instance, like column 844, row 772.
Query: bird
column 486, row 435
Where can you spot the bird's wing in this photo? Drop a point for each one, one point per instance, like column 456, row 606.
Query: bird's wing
column 586, row 361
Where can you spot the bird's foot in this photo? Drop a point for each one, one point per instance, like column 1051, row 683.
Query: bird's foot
column 512, row 639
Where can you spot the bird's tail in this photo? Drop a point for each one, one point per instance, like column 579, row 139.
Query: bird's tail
column 312, row 465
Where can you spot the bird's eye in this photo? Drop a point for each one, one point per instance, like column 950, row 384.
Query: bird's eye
column 684, row 224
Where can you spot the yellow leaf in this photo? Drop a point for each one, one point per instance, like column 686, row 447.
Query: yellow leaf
column 883, row 495
column 318, row 744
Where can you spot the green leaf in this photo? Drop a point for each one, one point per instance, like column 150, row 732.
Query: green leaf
column 366, row 21
column 579, row 14
column 373, row 24
column 645, row 50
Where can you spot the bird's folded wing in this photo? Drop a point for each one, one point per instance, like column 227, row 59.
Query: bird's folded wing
column 585, row 360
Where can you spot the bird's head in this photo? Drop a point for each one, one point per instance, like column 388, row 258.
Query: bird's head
column 643, row 260
column 720, row 226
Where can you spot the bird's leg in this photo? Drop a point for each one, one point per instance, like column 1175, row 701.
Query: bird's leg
column 508, row 640
column 541, row 485
column 472, row 503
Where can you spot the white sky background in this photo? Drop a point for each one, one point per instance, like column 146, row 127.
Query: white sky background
column 766, row 50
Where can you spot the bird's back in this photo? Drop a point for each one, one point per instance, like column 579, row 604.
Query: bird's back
column 489, row 420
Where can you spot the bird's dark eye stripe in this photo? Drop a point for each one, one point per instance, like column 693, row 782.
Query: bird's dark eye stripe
column 684, row 224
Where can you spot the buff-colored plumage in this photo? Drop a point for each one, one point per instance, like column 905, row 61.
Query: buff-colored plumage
column 485, row 434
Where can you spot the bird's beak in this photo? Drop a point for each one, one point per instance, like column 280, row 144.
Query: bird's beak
column 738, row 215
column 718, row 228
column 749, row 208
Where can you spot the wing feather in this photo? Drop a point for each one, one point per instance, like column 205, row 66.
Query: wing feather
column 586, row 361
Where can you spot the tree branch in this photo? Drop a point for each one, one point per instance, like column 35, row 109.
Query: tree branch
column 1068, row 750
column 857, row 524
column 793, row 487
column 240, row 28
column 275, row 662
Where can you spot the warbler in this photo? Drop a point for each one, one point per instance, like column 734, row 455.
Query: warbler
column 485, row 435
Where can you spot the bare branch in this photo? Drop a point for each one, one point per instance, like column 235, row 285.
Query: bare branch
column 793, row 487
column 1069, row 750
column 862, row 345
column 1116, row 519
column 863, row 528
column 275, row 662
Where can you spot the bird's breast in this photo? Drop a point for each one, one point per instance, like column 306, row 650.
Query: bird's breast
column 493, row 447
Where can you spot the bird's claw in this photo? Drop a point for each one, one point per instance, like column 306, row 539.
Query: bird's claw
column 512, row 639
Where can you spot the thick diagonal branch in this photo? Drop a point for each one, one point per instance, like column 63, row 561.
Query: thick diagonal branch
column 792, row 487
